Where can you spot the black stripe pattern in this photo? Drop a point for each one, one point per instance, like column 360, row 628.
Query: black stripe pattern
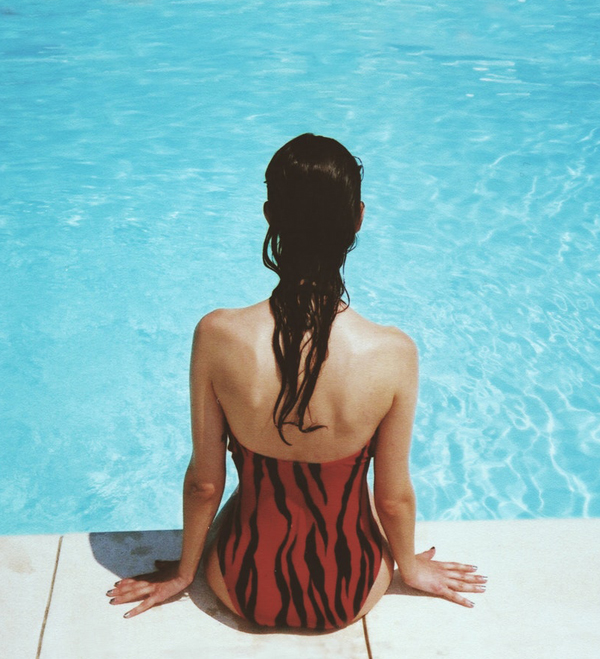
column 300, row 546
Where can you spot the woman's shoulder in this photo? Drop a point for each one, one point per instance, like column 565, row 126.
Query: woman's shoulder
column 388, row 338
column 224, row 322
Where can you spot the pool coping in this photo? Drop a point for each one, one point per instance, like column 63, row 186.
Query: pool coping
column 541, row 601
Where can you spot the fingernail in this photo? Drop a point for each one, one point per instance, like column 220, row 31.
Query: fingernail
column 126, row 615
column 112, row 601
column 470, row 604
column 481, row 589
column 117, row 583
column 110, row 592
column 483, row 577
column 473, row 567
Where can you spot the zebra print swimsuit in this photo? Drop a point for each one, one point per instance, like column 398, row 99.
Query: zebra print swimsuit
column 300, row 546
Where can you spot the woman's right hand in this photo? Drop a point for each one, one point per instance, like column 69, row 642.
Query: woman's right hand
column 152, row 588
column 445, row 580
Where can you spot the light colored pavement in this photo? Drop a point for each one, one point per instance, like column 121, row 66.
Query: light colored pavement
column 26, row 570
column 542, row 601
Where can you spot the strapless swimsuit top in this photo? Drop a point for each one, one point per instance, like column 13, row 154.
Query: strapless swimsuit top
column 300, row 546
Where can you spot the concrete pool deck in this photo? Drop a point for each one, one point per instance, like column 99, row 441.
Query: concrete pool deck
column 542, row 601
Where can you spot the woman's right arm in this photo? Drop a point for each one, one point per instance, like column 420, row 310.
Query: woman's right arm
column 394, row 495
column 204, row 479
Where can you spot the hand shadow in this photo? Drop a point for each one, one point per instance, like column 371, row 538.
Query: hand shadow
column 134, row 554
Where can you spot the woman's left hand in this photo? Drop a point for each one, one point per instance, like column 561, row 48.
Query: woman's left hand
column 447, row 580
column 152, row 588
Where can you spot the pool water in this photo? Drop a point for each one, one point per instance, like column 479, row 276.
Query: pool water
column 133, row 142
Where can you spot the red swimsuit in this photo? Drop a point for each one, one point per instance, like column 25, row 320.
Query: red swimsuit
column 300, row 546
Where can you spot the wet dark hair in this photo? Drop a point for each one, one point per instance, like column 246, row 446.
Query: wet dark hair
column 313, row 208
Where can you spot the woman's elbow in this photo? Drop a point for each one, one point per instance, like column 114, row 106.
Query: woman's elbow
column 204, row 490
column 397, row 505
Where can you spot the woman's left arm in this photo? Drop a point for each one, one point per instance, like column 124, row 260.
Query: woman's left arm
column 203, row 484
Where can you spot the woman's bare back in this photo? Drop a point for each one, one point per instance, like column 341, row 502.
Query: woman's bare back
column 353, row 394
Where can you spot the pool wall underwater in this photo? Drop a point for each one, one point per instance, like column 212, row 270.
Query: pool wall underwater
column 133, row 142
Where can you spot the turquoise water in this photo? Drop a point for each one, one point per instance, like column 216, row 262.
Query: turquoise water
column 133, row 142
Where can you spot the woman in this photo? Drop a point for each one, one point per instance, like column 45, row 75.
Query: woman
column 305, row 391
